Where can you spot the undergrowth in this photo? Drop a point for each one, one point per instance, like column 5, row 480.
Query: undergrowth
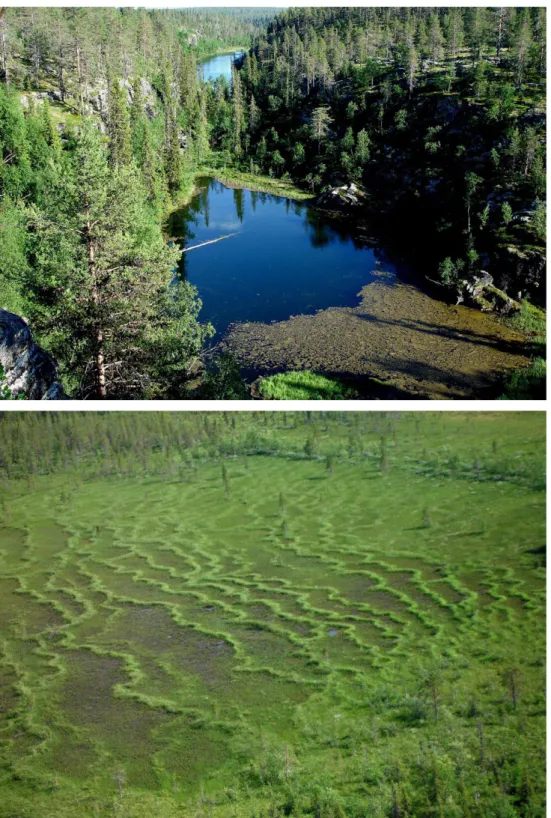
column 303, row 385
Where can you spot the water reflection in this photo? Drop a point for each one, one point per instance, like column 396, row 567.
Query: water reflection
column 219, row 67
column 280, row 257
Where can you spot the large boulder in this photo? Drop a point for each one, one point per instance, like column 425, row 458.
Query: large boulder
column 481, row 292
column 29, row 370
column 344, row 196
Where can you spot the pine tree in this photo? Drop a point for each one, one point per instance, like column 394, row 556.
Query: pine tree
column 118, row 126
column 411, row 67
column 320, row 124
column 522, row 45
column 435, row 39
column 104, row 271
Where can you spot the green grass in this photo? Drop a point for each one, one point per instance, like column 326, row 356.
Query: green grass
column 302, row 385
column 265, row 184
column 531, row 321
column 529, row 382
column 177, row 644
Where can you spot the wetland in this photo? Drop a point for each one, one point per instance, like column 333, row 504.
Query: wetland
column 264, row 612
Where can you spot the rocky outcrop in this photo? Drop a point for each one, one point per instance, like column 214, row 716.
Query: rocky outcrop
column 28, row 369
column 344, row 196
column 482, row 292
column 96, row 100
column 98, row 97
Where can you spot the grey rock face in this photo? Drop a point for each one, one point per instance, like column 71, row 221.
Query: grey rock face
column 29, row 370
column 350, row 195
column 97, row 99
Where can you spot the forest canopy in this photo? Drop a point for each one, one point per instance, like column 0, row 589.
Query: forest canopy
column 438, row 115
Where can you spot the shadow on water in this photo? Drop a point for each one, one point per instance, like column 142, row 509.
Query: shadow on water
column 282, row 258
column 460, row 335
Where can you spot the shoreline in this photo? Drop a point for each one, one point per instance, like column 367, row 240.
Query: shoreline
column 252, row 343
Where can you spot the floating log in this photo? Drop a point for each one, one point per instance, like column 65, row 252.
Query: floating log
column 212, row 241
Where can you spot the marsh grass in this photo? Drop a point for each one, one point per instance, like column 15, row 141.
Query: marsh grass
column 304, row 385
column 166, row 651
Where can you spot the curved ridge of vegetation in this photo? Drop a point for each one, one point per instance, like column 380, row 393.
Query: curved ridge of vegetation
column 192, row 624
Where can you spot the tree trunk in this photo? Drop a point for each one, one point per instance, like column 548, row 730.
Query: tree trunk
column 79, row 74
column 499, row 34
column 4, row 46
column 99, row 359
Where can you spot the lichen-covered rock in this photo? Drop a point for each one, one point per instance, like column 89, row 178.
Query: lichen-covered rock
column 344, row 196
column 29, row 370
column 482, row 292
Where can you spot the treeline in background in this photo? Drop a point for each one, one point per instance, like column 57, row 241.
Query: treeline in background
column 172, row 446
column 105, row 121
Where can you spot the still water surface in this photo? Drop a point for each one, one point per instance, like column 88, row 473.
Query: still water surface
column 282, row 258
column 219, row 66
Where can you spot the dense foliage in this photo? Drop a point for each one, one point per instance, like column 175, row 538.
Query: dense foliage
column 107, row 133
column 439, row 112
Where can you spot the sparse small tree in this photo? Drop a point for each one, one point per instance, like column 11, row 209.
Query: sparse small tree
column 226, row 481
column 426, row 517
column 119, row 777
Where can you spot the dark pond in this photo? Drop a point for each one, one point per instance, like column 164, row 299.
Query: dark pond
column 219, row 66
column 284, row 258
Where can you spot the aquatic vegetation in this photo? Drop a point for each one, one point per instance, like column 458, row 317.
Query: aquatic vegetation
column 302, row 386
column 300, row 613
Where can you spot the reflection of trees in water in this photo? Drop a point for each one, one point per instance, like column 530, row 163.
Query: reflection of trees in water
column 238, row 198
column 182, row 222
column 205, row 205
column 318, row 231
column 323, row 231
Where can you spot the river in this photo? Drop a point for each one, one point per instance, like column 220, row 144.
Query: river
column 219, row 66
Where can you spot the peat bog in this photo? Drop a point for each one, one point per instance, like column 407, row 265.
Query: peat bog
column 273, row 613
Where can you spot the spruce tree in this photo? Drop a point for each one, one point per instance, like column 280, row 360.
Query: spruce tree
column 138, row 122
column 118, row 127
column 102, row 291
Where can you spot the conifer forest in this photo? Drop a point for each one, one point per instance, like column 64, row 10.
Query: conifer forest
column 214, row 613
column 269, row 614
column 263, row 203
